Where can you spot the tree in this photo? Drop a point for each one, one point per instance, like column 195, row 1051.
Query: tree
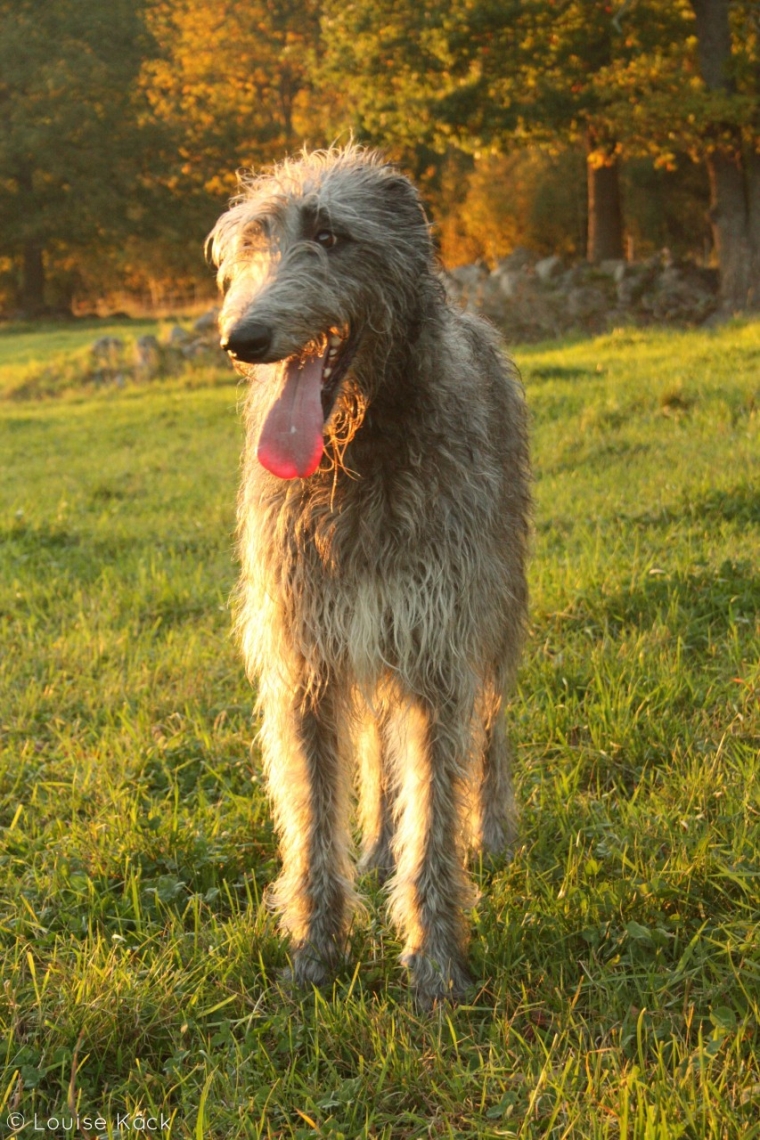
column 253, row 109
column 483, row 75
column 545, row 66
column 69, row 129
column 697, row 92
column 562, row 48
column 733, row 161
column 490, row 75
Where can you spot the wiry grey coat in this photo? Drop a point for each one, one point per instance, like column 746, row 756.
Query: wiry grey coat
column 382, row 598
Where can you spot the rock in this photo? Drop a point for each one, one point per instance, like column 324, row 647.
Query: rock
column 610, row 266
column 531, row 300
column 679, row 296
column 465, row 285
column 179, row 336
column 491, row 300
column 519, row 258
column 633, row 283
column 207, row 322
column 196, row 348
column 107, row 349
column 467, row 276
column 586, row 301
column 508, row 281
column 147, row 356
column 573, row 276
column 717, row 318
column 548, row 268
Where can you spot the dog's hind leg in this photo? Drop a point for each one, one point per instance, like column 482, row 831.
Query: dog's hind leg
column 376, row 791
column 309, row 781
column 497, row 823
column 430, row 889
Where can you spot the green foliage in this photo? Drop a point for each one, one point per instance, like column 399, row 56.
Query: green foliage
column 71, row 143
column 480, row 72
column 527, row 198
column 618, row 952
column 657, row 99
column 550, row 71
column 398, row 64
column 123, row 126
column 225, row 116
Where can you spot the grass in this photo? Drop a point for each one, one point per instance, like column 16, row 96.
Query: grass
column 619, row 952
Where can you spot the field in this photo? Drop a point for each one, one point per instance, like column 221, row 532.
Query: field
column 619, row 952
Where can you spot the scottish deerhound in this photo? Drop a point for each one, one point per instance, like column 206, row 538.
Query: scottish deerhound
column 382, row 530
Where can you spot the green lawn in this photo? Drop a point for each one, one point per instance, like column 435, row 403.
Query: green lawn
column 619, row 952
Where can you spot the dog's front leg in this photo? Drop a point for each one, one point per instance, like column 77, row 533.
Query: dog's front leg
column 310, row 791
column 430, row 888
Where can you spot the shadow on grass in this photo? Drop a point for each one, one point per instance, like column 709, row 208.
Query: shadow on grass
column 555, row 372
column 739, row 504
column 93, row 553
column 697, row 605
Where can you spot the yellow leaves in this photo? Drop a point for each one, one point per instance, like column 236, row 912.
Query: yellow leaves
column 221, row 185
column 606, row 155
column 666, row 160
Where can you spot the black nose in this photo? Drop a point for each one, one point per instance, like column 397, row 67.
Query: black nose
column 249, row 341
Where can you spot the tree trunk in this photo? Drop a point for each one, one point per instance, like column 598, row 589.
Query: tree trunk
column 728, row 215
column 713, row 42
column 730, row 178
column 752, row 165
column 605, row 218
column 33, row 280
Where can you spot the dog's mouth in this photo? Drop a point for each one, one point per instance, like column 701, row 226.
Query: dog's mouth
column 291, row 442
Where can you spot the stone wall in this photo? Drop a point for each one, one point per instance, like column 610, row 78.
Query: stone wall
column 533, row 299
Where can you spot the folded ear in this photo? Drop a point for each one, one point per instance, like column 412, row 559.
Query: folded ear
column 404, row 199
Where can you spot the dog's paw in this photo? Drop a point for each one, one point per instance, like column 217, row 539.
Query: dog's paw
column 498, row 835
column 434, row 982
column 311, row 966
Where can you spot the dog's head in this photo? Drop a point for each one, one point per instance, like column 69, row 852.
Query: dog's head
column 322, row 260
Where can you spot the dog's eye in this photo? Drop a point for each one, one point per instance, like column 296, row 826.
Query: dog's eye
column 326, row 239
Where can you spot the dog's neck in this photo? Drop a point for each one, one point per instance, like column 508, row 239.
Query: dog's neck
column 400, row 394
column 393, row 380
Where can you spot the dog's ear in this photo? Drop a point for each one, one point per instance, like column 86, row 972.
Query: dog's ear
column 403, row 199
column 399, row 188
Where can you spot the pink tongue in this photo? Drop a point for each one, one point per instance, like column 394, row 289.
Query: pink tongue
column 290, row 444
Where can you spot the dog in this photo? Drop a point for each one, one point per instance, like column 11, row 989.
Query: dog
column 383, row 532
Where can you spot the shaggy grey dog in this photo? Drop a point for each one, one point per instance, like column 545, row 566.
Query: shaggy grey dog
column 383, row 529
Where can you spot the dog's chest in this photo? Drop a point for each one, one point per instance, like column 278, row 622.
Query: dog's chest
column 370, row 587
